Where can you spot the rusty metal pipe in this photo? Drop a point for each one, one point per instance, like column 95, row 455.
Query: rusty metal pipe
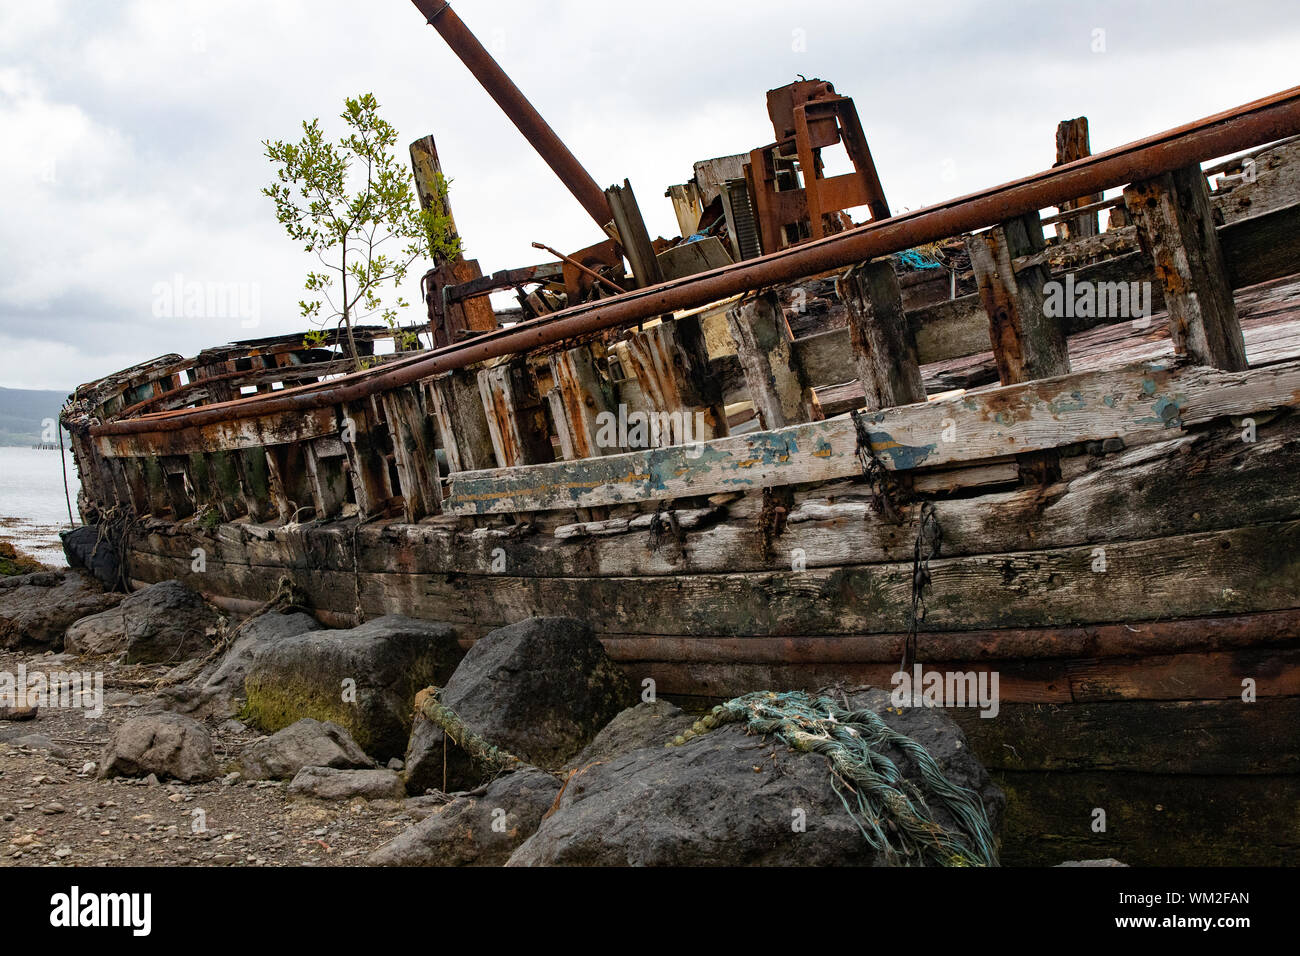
column 592, row 273
column 1262, row 121
column 516, row 106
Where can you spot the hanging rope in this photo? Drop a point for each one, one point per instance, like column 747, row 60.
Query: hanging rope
column 892, row 813
column 63, row 460
column 929, row 539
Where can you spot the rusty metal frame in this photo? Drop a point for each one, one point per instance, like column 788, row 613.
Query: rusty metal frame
column 1261, row 121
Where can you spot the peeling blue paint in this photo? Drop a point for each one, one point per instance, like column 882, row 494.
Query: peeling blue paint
column 902, row 456
column 1072, row 403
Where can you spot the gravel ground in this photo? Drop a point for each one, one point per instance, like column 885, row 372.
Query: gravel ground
column 54, row 811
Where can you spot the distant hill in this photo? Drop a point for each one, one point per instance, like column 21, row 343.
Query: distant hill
column 22, row 412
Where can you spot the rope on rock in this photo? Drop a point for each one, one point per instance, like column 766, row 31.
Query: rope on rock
column 488, row 754
column 892, row 813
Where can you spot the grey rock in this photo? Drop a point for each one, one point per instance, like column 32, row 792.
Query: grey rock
column 38, row 742
column 218, row 691
column 480, row 830
column 37, row 608
column 648, row 724
column 327, row 783
column 160, row 745
column 728, row 798
column 84, row 548
column 305, row 743
column 541, row 689
column 387, row 661
column 163, row 623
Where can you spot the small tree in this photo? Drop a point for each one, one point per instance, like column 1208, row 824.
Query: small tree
column 346, row 230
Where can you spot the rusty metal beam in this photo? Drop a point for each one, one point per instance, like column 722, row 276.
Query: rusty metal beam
column 516, row 106
column 1265, row 120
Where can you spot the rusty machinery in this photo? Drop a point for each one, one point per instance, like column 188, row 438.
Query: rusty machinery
column 807, row 117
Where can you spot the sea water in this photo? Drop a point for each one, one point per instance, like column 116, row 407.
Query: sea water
column 33, row 508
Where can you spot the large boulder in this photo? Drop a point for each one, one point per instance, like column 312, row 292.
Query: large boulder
column 37, row 608
column 327, row 783
column 728, row 798
column 540, row 689
column 86, row 548
column 218, row 689
column 166, row 745
column 163, row 623
column 363, row 679
column 480, row 829
column 306, row 743
column 648, row 724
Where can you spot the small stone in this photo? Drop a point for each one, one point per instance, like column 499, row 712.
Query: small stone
column 88, row 768
column 395, row 763
column 63, row 852
column 230, row 779
column 151, row 780
column 52, row 808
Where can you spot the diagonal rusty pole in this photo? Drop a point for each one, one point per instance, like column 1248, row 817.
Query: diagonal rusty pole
column 516, row 106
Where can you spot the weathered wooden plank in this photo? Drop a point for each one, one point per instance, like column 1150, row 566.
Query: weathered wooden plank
column 670, row 364
column 1184, row 737
column 632, row 235
column 884, row 352
column 1026, row 343
column 325, row 462
column 462, row 421
column 1071, row 144
column 282, row 428
column 1241, row 571
column 776, row 384
column 1134, row 402
column 1151, row 819
column 1176, row 229
column 515, row 420
column 580, row 398
column 1231, row 483
column 414, row 453
column 365, row 440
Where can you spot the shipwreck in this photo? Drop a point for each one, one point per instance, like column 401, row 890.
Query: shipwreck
column 787, row 449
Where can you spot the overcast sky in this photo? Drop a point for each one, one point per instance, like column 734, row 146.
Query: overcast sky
column 130, row 132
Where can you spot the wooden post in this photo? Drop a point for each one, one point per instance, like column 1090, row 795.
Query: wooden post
column 1026, row 343
column 1071, row 144
column 884, row 349
column 474, row 313
column 670, row 363
column 363, row 438
column 515, row 417
column 291, row 490
column 255, row 480
column 580, row 395
column 1175, row 227
column 764, row 346
column 632, row 235
column 413, row 450
column 230, row 498
column 325, row 460
column 462, row 423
